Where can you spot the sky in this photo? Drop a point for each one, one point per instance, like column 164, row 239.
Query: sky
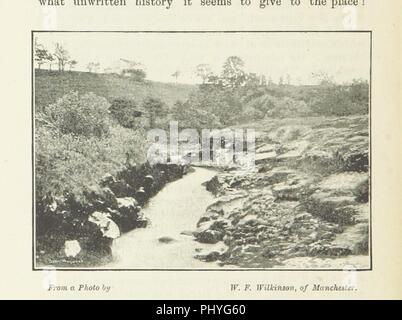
column 344, row 56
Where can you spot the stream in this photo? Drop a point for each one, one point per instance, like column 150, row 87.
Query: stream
column 176, row 208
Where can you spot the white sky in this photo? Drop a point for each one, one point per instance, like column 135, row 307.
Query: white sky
column 345, row 56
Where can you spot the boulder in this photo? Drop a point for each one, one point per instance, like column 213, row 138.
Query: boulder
column 331, row 208
column 106, row 225
column 127, row 214
column 127, row 205
column 355, row 238
column 107, row 180
column 265, row 148
column 213, row 253
column 166, row 240
column 262, row 158
column 209, row 236
column 72, row 248
column 348, row 183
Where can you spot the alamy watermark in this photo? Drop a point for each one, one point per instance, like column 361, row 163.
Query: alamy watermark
column 207, row 147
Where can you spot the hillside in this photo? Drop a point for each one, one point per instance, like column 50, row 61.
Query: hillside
column 52, row 85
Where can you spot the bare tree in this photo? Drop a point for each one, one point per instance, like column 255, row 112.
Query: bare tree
column 203, row 71
column 93, row 67
column 62, row 56
column 176, row 74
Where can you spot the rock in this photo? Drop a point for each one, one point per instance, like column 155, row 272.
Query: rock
column 287, row 192
column 215, row 185
column 141, row 223
column 277, row 175
column 213, row 253
column 294, row 150
column 331, row 208
column 362, row 191
column 209, row 236
column 288, row 133
column 249, row 220
column 356, row 160
column 266, row 148
column 355, row 238
column 141, row 195
column 107, row 180
column 348, row 183
column 127, row 215
column 261, row 158
column 166, row 239
column 127, row 205
column 187, row 233
column 303, row 216
column 121, row 189
column 100, row 198
column 106, row 225
column 72, row 248
column 149, row 180
column 328, row 251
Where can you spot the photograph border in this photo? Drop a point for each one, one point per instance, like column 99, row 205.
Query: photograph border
column 34, row 268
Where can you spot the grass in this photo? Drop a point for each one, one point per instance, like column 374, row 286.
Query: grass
column 52, row 85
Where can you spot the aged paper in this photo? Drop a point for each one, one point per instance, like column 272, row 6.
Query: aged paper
column 201, row 149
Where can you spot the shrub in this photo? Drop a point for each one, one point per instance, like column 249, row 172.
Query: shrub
column 68, row 162
column 288, row 107
column 126, row 112
column 85, row 115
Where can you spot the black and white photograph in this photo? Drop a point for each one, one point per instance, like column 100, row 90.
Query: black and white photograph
column 201, row 151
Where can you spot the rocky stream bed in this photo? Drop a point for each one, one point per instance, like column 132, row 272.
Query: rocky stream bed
column 306, row 205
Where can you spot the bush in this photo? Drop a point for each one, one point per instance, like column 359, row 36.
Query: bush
column 137, row 75
column 288, row 107
column 342, row 100
column 85, row 115
column 76, row 144
column 126, row 112
column 68, row 162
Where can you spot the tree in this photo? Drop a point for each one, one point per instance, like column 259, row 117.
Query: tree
column 96, row 67
column 203, row 71
column 176, row 74
column 288, row 79
column 155, row 108
column 233, row 74
column 138, row 75
column 90, row 66
column 41, row 54
column 323, row 78
column 62, row 56
column 50, row 59
column 125, row 111
column 72, row 64
column 93, row 67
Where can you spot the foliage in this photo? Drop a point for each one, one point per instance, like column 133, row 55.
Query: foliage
column 155, row 108
column 138, row 75
column 126, row 112
column 71, row 157
column 52, row 85
column 85, row 115
column 233, row 75
column 190, row 116
column 342, row 100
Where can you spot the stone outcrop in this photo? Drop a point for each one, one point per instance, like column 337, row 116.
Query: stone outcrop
column 307, row 199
